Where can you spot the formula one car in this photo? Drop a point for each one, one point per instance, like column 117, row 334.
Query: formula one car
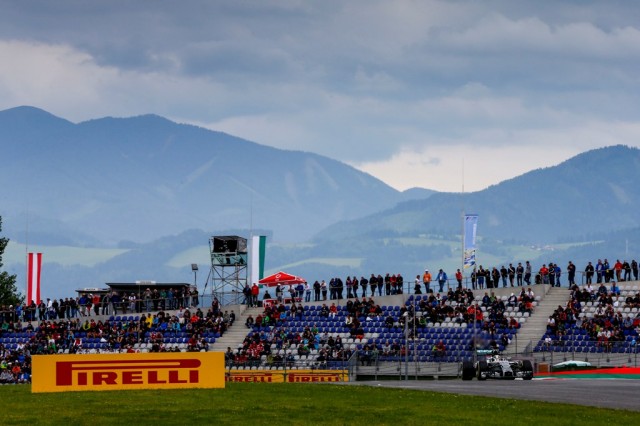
column 571, row 366
column 497, row 367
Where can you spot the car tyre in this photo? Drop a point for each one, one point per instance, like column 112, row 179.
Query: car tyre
column 527, row 369
column 468, row 370
column 482, row 367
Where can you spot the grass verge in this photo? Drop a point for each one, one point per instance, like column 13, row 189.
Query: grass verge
column 295, row 404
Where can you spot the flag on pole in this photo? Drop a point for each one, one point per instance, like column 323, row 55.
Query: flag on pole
column 470, row 226
column 258, row 247
column 34, row 269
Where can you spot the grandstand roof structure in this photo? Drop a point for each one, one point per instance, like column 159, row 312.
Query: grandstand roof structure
column 138, row 286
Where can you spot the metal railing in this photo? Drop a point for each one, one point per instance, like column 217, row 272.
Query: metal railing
column 408, row 366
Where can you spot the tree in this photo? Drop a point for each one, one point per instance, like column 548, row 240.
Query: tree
column 8, row 292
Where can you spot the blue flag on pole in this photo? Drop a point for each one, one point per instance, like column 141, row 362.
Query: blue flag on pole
column 470, row 226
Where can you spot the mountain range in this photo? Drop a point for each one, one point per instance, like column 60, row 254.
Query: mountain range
column 110, row 180
column 141, row 196
column 594, row 192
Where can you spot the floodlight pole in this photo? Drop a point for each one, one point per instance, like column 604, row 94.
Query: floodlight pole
column 194, row 268
column 475, row 338
column 415, row 357
column 406, row 348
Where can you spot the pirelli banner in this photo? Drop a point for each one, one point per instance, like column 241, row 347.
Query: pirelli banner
column 289, row 376
column 98, row 372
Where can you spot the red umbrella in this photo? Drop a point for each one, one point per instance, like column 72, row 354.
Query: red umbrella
column 281, row 278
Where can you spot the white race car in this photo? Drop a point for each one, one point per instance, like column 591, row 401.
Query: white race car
column 571, row 366
column 497, row 367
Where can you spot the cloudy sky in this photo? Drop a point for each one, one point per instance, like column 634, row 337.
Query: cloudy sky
column 418, row 93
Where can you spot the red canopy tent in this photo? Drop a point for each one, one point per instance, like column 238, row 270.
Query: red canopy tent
column 281, row 278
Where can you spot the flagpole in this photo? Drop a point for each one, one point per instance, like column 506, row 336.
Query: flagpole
column 26, row 256
column 475, row 311
column 251, row 277
column 462, row 221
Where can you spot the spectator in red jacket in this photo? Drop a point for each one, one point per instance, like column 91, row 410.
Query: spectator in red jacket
column 255, row 291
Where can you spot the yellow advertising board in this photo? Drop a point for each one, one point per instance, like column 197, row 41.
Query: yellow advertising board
column 289, row 376
column 98, row 372
column 309, row 376
column 255, row 376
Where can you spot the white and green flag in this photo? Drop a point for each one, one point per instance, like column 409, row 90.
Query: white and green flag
column 258, row 247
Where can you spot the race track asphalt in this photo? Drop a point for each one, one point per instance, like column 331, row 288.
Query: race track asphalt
column 607, row 393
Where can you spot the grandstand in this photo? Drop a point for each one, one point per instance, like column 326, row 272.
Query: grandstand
column 378, row 335
column 387, row 348
column 84, row 342
column 175, row 331
column 597, row 322
column 396, row 335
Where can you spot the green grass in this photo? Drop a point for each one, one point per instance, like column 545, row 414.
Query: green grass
column 199, row 254
column 296, row 404
column 64, row 255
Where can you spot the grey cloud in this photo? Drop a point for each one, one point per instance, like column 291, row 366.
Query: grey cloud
column 229, row 59
column 363, row 79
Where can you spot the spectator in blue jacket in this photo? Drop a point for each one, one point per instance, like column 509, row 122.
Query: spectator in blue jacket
column 442, row 279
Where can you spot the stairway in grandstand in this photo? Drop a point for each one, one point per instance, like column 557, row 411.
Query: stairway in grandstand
column 235, row 334
column 536, row 324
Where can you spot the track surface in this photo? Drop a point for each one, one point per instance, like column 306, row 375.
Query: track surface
column 607, row 393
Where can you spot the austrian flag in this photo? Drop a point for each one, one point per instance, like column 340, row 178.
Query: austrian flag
column 34, row 267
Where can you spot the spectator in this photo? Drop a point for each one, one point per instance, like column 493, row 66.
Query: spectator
column 316, row 291
column 324, row 311
column 255, row 291
column 246, row 292
column 417, row 287
column 307, row 292
column 426, row 280
column 442, row 279
column 439, row 349
column 333, row 310
column 363, row 284
column 115, row 302
column 299, row 292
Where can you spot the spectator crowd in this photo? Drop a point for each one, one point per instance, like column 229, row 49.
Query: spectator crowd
column 70, row 325
column 283, row 333
column 607, row 318
column 159, row 332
